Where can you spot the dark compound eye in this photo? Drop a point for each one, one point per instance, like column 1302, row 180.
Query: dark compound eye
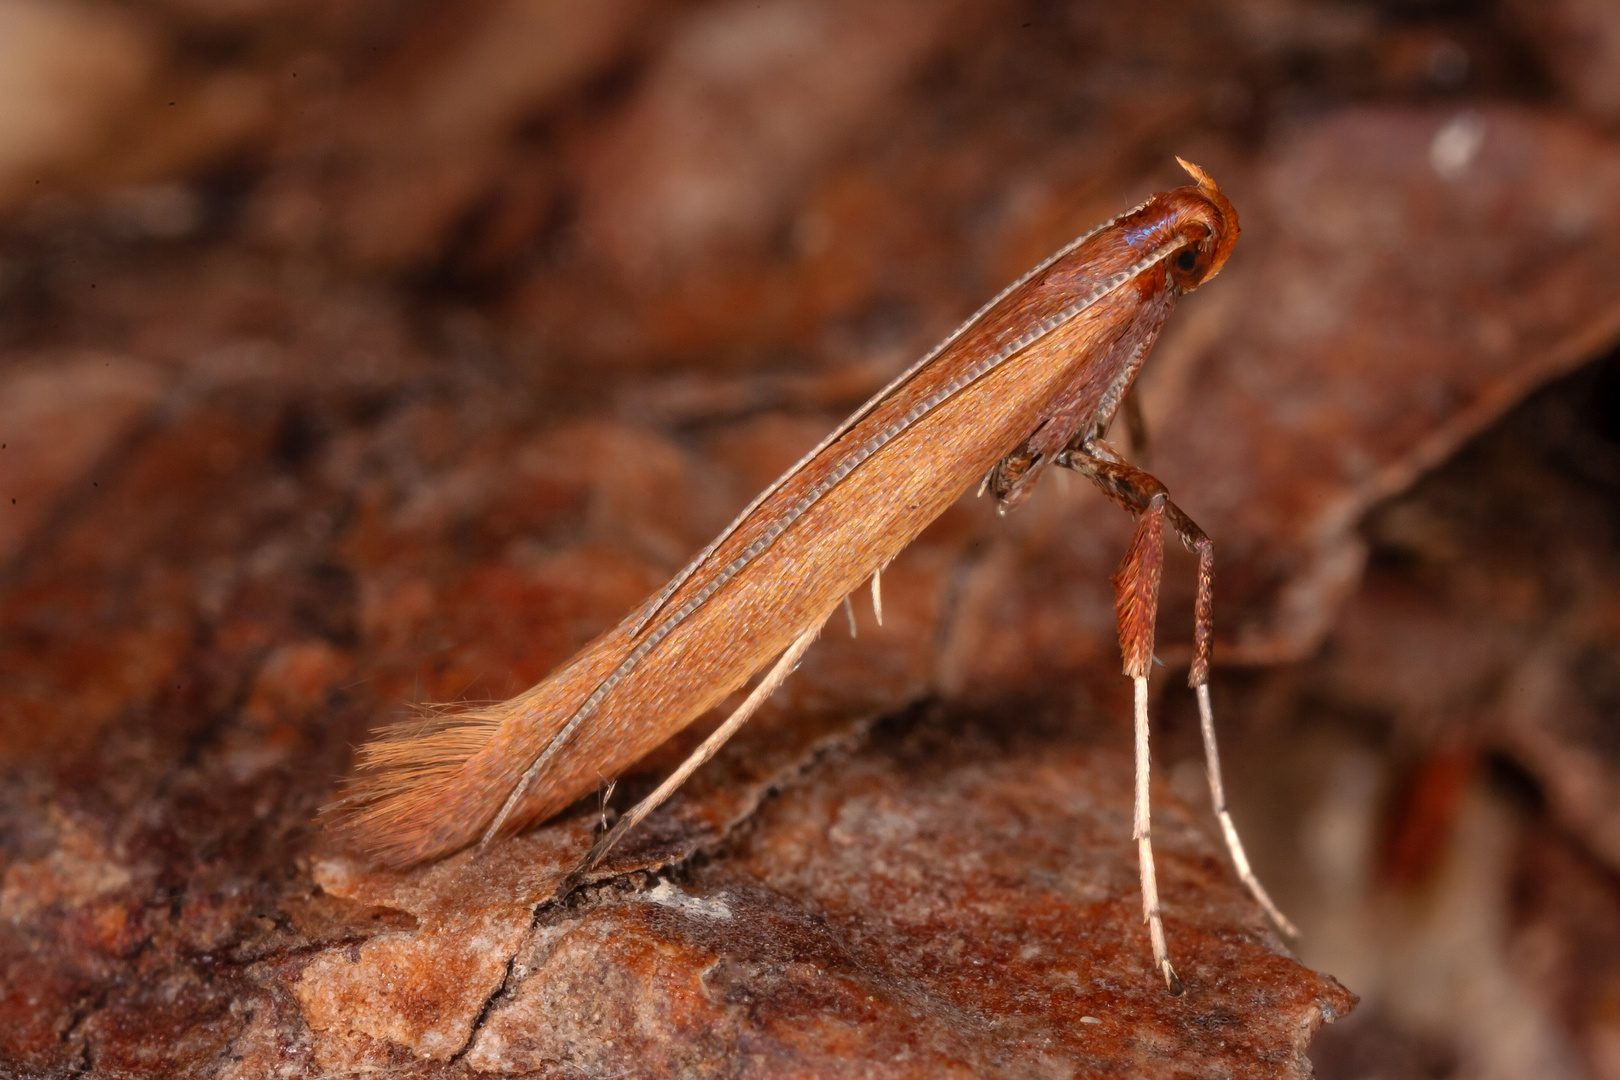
column 1186, row 259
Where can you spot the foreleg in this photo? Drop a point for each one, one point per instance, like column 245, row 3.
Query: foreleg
column 1137, row 588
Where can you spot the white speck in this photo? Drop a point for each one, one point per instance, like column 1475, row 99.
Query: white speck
column 668, row 894
column 1455, row 146
column 1090, row 1020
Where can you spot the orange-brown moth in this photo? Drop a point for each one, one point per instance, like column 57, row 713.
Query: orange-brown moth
column 1033, row 379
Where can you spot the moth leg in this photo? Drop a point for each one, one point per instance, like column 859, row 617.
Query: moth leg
column 1012, row 479
column 1217, row 795
column 1136, row 490
column 767, row 686
column 1136, row 601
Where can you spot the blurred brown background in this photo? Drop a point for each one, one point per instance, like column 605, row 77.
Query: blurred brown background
column 353, row 355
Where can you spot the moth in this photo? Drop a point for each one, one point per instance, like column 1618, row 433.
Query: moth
column 1032, row 380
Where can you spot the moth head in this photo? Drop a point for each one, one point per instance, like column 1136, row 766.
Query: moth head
column 1210, row 227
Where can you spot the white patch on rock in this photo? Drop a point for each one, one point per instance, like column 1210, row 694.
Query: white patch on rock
column 668, row 894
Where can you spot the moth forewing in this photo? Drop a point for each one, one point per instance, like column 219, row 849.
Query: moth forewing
column 814, row 541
